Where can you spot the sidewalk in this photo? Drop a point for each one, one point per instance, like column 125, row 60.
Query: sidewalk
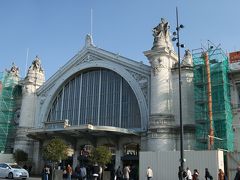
column 35, row 178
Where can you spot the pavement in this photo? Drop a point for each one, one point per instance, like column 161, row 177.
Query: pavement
column 31, row 178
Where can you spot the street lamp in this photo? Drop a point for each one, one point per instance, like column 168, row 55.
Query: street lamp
column 176, row 37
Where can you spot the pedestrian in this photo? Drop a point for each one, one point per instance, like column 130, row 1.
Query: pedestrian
column 237, row 176
column 69, row 172
column 45, row 172
column 207, row 174
column 25, row 167
column 149, row 173
column 95, row 171
column 189, row 174
column 30, row 169
column 195, row 175
column 101, row 173
column 126, row 172
column 83, row 172
column 78, row 172
column 221, row 174
column 133, row 173
column 118, row 173
column 180, row 173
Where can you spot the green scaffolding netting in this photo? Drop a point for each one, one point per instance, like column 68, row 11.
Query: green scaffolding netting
column 221, row 104
column 9, row 91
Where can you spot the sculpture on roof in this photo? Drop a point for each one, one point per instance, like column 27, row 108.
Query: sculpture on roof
column 36, row 65
column 161, row 35
column 187, row 59
column 88, row 40
column 161, row 29
column 14, row 70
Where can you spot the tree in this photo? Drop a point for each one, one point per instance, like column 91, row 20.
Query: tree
column 101, row 155
column 55, row 150
column 20, row 156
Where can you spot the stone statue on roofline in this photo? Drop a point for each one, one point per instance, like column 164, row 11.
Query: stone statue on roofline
column 162, row 36
column 14, row 70
column 187, row 59
column 36, row 65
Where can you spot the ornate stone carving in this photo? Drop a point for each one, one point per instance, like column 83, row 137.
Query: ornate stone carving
column 36, row 65
column 143, row 83
column 35, row 77
column 88, row 41
column 162, row 36
column 159, row 120
column 187, row 59
column 89, row 58
column 14, row 70
column 42, row 98
column 156, row 65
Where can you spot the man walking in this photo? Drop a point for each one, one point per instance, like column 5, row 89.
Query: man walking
column 149, row 173
column 126, row 172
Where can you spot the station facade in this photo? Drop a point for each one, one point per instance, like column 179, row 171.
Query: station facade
column 101, row 98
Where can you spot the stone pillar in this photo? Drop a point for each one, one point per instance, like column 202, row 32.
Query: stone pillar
column 34, row 79
column 160, row 135
column 75, row 158
column 118, row 161
column 161, row 61
column 37, row 167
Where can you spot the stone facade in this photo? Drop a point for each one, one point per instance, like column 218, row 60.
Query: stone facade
column 155, row 88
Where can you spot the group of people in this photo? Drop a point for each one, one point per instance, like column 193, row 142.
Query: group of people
column 127, row 173
column 80, row 172
column 188, row 175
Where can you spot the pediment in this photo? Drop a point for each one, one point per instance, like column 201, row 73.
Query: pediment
column 92, row 54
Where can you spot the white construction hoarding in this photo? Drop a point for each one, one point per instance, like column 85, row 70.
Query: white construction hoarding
column 165, row 163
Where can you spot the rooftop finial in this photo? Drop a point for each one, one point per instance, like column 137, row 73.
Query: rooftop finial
column 88, row 41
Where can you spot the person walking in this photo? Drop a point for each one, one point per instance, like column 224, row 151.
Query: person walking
column 126, row 172
column 95, row 171
column 83, row 171
column 69, row 172
column 149, row 173
column 45, row 173
column 181, row 173
column 78, row 172
column 221, row 175
column 189, row 174
column 207, row 174
column 237, row 176
column 118, row 173
column 195, row 175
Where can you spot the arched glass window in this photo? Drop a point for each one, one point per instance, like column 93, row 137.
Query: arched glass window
column 98, row 97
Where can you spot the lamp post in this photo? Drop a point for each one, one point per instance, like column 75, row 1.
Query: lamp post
column 176, row 34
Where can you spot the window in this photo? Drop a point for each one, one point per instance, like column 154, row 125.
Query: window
column 97, row 97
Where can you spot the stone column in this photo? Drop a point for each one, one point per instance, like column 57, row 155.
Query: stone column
column 37, row 167
column 118, row 161
column 75, row 158
column 160, row 135
column 161, row 61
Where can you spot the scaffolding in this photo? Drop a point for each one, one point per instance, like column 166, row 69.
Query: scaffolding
column 215, row 133
column 9, row 93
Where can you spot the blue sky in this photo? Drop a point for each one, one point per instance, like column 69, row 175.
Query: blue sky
column 55, row 30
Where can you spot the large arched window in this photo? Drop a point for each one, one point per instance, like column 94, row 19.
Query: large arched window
column 99, row 97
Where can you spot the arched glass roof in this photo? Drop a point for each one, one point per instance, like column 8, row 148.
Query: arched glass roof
column 96, row 96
